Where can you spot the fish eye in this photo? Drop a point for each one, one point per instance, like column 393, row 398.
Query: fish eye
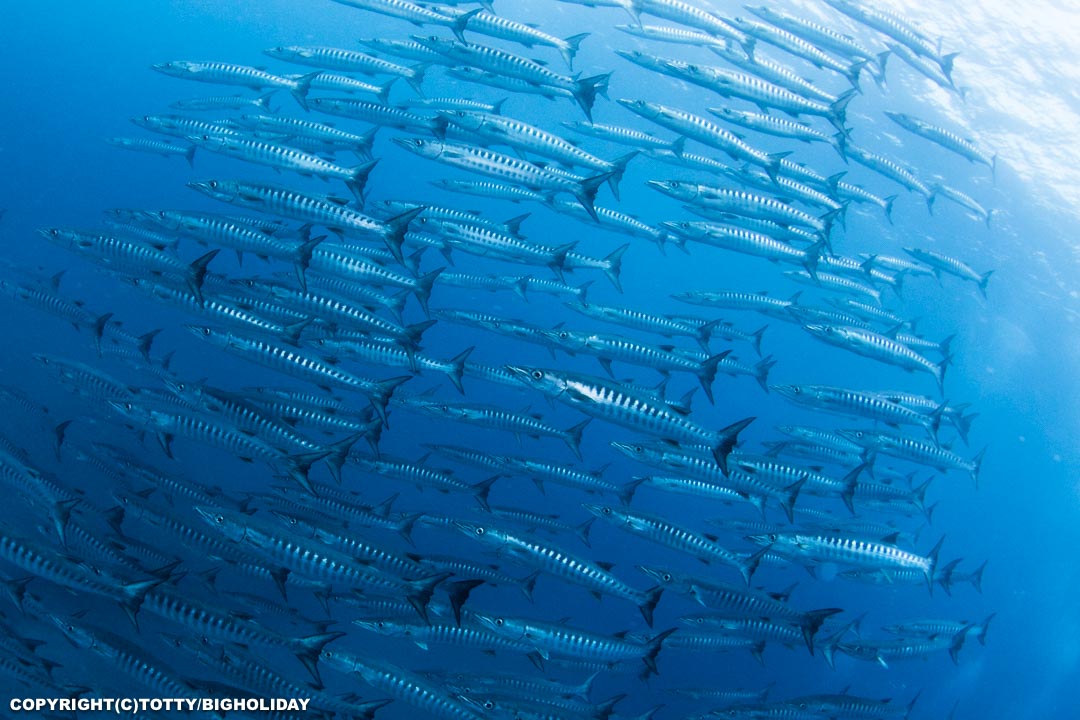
column 480, row 531
column 537, row 375
column 213, row 183
column 796, row 389
column 205, row 137
column 206, row 331
column 563, row 335
column 327, row 655
column 666, row 577
column 499, row 622
column 219, row 519
column 674, row 184
column 54, row 232
column 489, row 705
column 605, row 511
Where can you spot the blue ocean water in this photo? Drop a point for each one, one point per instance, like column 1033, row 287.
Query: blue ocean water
column 75, row 74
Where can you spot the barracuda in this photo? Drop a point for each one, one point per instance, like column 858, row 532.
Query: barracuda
column 795, row 45
column 742, row 602
column 693, row 487
column 155, row 147
column 684, row 13
column 300, row 364
column 878, row 347
column 527, row 34
column 321, row 133
column 859, row 404
column 281, row 157
column 540, row 471
column 494, row 417
column 378, row 114
column 410, row 688
column 659, row 530
column 816, row 33
column 766, row 95
column 610, row 401
column 679, row 36
column 609, row 348
column 277, row 200
column 760, row 302
column 940, row 263
column 744, row 203
column 559, row 563
column 964, row 147
column 529, row 138
column 315, row 560
column 897, row 28
column 229, row 74
column 664, row 325
column 413, row 13
column 892, row 170
column 140, row 257
column 704, row 131
column 619, row 134
column 916, row 451
column 502, row 63
column 552, row 639
column 853, row 552
column 748, row 242
column 437, row 214
column 419, row 475
column 699, row 468
column 227, row 102
column 505, row 167
column 123, row 656
column 347, row 61
column 779, row 127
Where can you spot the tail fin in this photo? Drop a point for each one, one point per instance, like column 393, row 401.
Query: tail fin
column 976, row 465
column 513, row 225
column 931, row 565
column 772, row 164
column 197, row 274
column 889, row 206
column 976, row 577
column 790, row 495
column 358, row 178
column 981, row 635
column 706, row 372
column 572, row 437
column 422, row 291
column 617, row 171
column 481, row 489
column 613, row 266
column 586, row 193
column 396, row 227
column 761, row 371
column 838, row 110
column 850, row 482
column 585, row 91
column 421, row 590
column 457, row 368
column 528, row 583
column 570, row 47
column 414, row 78
column 189, row 155
column 652, row 597
column 958, row 645
column 582, row 531
column 458, row 592
column 603, row 710
column 144, row 342
column 811, row 622
column 263, row 101
column 947, row 64
column 302, row 85
column 302, row 259
column 383, row 92
column 985, row 277
column 380, row 397
column 626, row 492
column 729, row 436
column 652, row 648
column 134, row 593
column 748, row 564
column 458, row 28
column 308, row 649
column 339, row 453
